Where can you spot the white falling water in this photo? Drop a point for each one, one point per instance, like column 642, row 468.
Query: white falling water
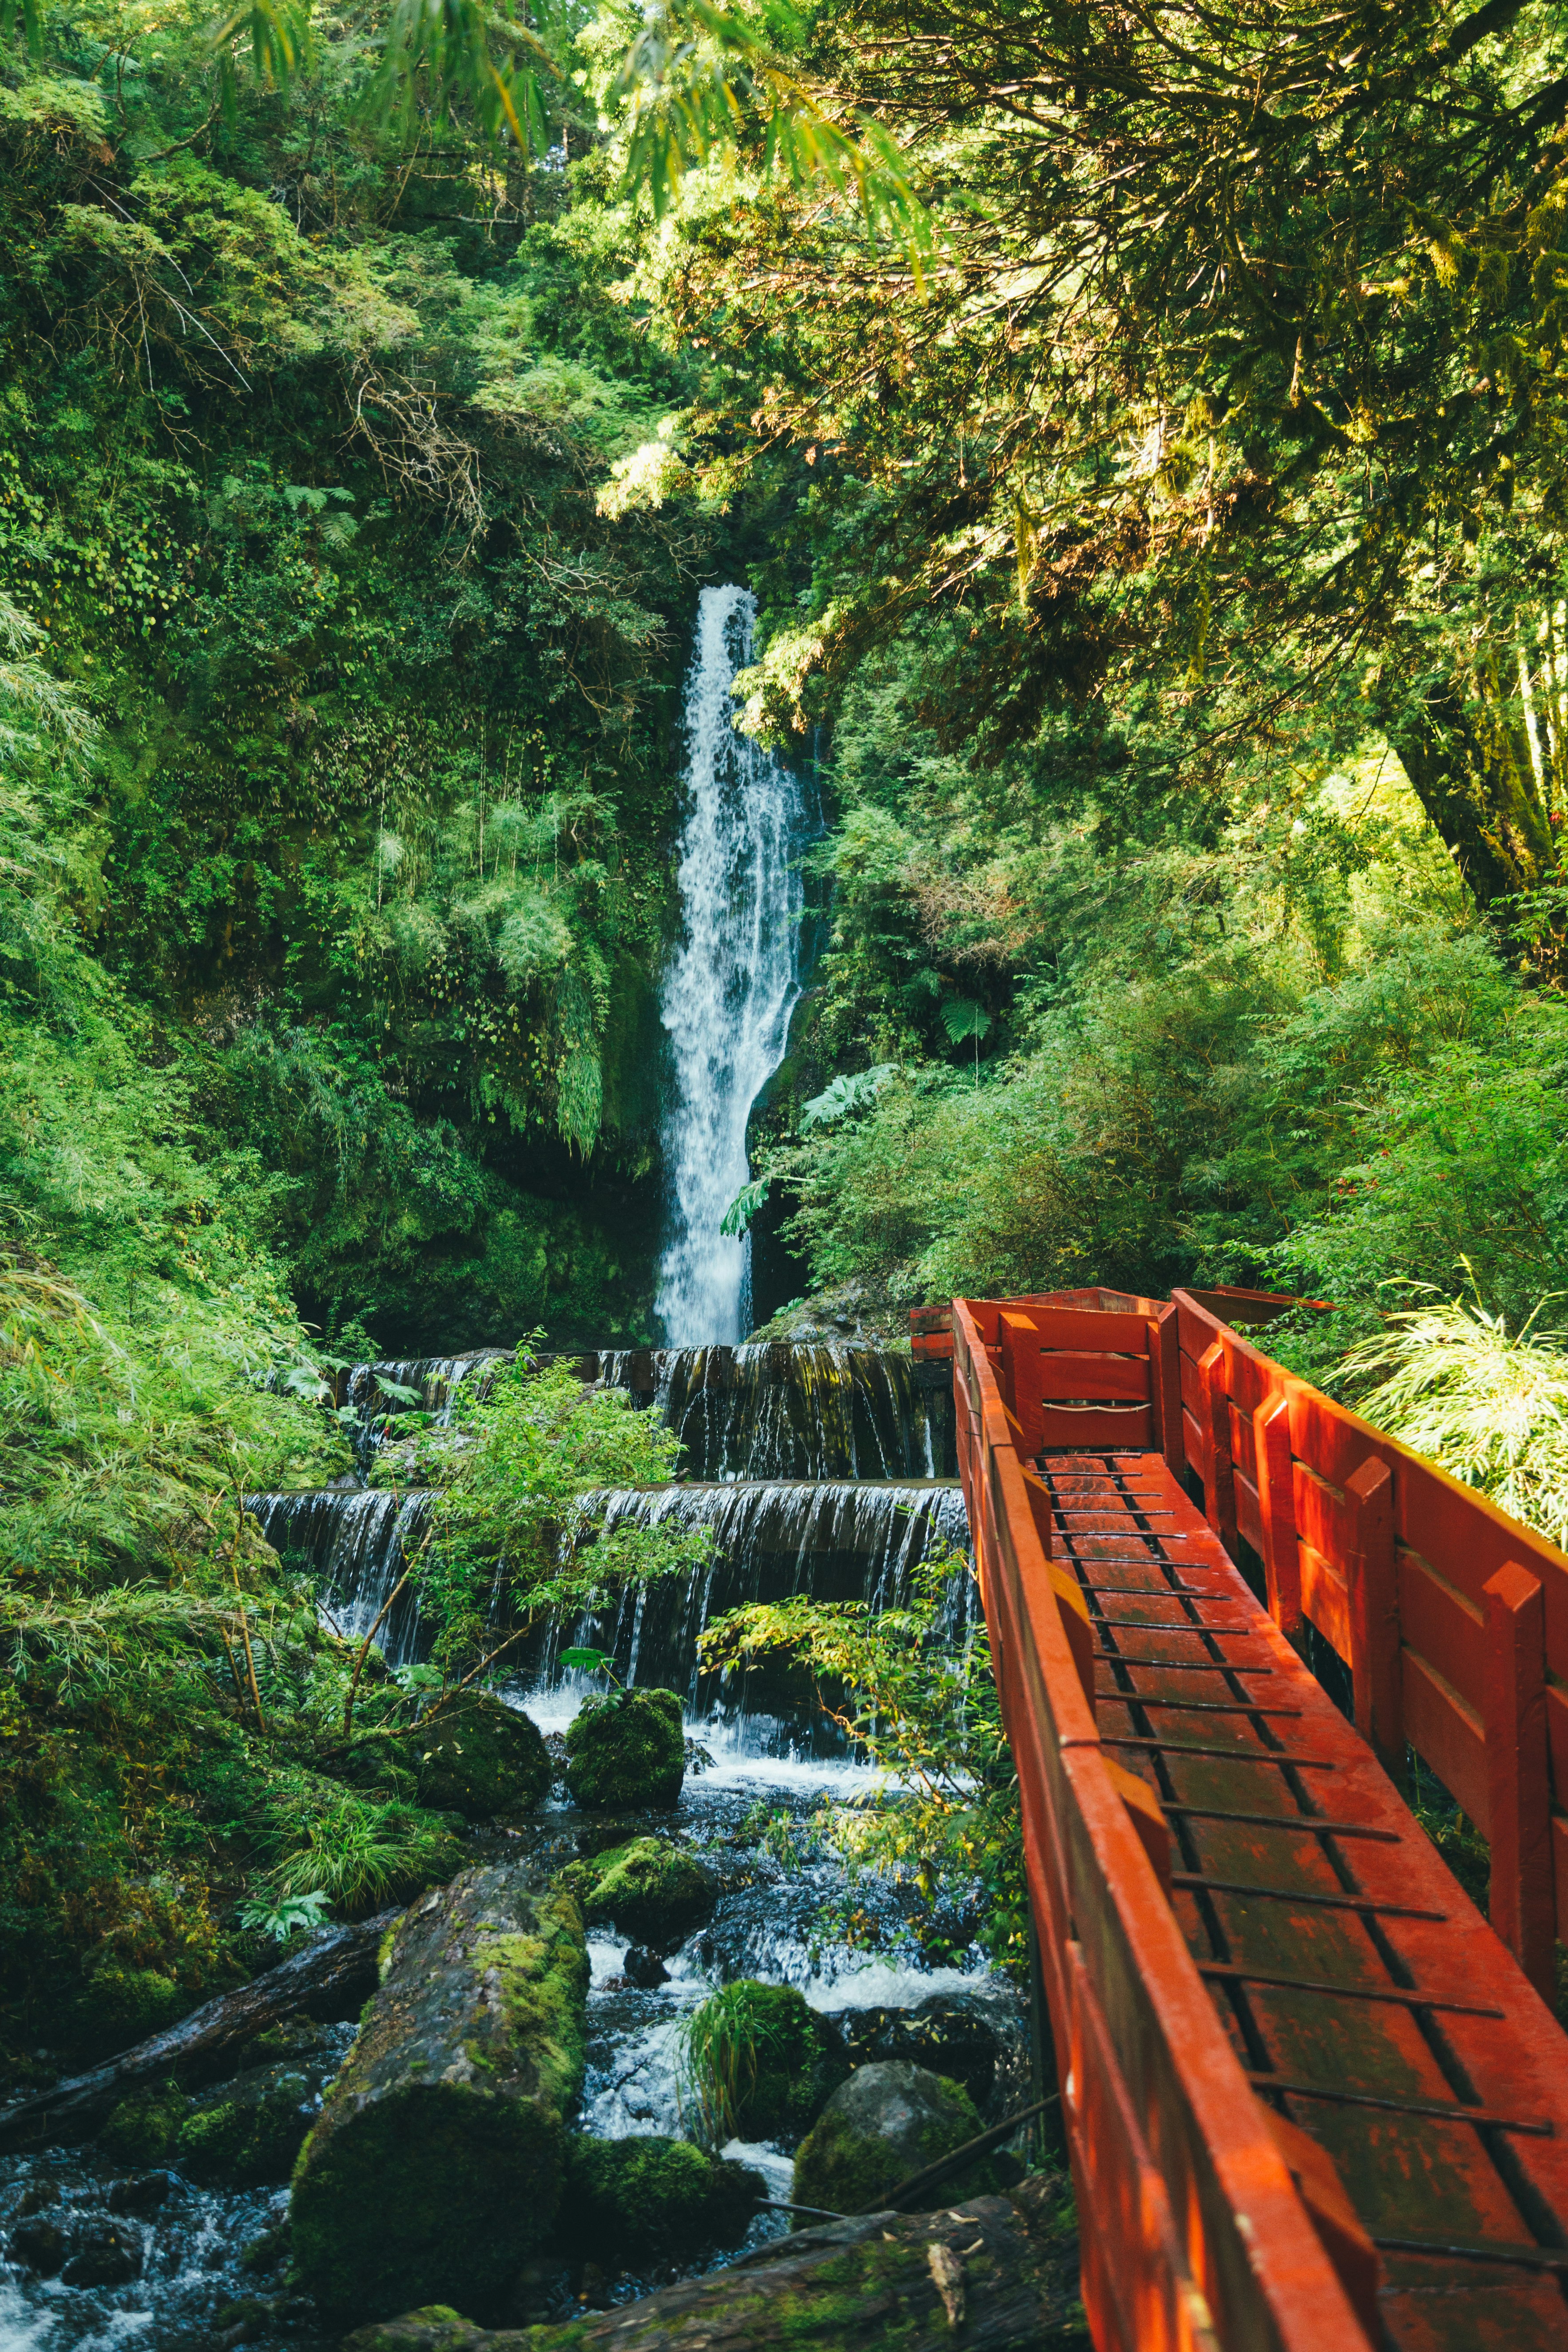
column 733, row 980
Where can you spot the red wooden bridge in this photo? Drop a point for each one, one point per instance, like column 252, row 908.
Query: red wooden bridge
column 1313, row 2100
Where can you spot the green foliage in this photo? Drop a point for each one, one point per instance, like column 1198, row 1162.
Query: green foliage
column 523, row 1479
column 924, row 1709
column 282, row 1919
column 359, row 1855
column 756, row 2063
column 1487, row 1404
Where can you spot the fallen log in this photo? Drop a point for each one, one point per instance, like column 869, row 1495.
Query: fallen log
column 990, row 2274
column 435, row 2168
column 329, row 1976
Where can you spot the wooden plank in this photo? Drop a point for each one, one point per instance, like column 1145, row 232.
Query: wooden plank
column 1020, row 1381
column 1449, row 1736
column 1192, row 1386
column 1560, row 1873
column 1192, row 1443
column 1519, row 1826
column 1074, row 1326
column 1437, row 1621
column 1066, row 1374
column 1556, row 1711
column 1219, row 1486
column 1243, row 1443
column 1249, row 1512
column 1321, row 1517
column 1167, row 1355
column 1097, row 1427
column 1325, row 1599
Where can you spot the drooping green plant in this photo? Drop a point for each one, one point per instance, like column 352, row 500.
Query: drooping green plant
column 1488, row 1404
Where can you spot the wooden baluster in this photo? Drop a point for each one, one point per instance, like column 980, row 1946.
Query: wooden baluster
column 1219, row 1474
column 1372, row 1580
column 1165, row 1376
column 1522, row 1906
column 1276, row 1507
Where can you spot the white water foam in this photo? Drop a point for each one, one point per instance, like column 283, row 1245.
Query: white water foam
column 734, row 980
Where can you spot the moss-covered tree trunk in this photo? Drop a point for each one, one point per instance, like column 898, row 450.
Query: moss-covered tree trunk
column 436, row 2166
column 992, row 2276
column 1465, row 747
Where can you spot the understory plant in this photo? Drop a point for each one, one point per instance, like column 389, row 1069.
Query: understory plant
column 1488, row 1404
column 521, row 1525
column 913, row 1688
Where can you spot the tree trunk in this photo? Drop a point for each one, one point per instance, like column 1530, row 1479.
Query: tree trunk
column 1465, row 748
column 435, row 2167
column 330, row 1976
column 993, row 2276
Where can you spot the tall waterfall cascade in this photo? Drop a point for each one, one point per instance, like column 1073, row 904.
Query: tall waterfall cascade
column 733, row 980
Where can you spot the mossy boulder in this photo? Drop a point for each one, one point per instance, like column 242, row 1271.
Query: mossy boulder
column 249, row 2131
column 143, row 2129
column 480, row 1758
column 435, row 2167
column 762, row 2061
column 649, row 1889
column 626, row 1748
column 633, row 2201
column 128, row 2005
column 884, row 2124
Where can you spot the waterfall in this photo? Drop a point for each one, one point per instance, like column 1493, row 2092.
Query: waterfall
column 358, row 1542
column 777, row 1409
column 825, row 1539
column 733, row 980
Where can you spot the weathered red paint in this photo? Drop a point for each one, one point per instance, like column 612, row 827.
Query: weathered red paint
column 1231, row 1899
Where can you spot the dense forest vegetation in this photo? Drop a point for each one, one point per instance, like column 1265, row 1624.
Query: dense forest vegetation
column 1147, row 447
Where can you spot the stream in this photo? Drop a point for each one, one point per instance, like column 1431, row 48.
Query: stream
column 820, row 1470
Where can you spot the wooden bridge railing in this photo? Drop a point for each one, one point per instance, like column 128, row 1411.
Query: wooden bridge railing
column 1451, row 1617
column 1194, row 2233
column 1200, row 2226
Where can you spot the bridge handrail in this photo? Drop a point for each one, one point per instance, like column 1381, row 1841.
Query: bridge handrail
column 1193, row 2232
column 1451, row 1616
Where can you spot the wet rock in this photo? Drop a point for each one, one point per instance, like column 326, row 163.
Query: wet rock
column 480, row 1758
column 941, row 2034
column 249, row 2131
column 37, row 2244
column 627, row 1748
column 296, row 2037
column 885, row 2123
column 651, row 1888
column 644, row 1969
column 764, row 2061
column 107, row 2255
column 435, row 2168
column 652, row 2199
column 143, row 2193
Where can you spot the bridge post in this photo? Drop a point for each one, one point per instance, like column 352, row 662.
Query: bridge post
column 1219, row 1473
column 1520, row 1903
column 1277, row 1508
column 1373, row 1584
